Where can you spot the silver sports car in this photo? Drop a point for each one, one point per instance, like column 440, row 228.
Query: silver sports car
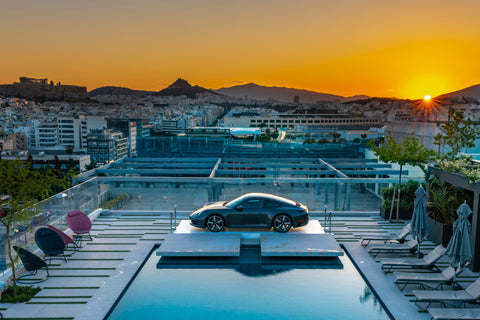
column 252, row 210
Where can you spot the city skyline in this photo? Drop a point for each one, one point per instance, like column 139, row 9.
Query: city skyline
column 404, row 49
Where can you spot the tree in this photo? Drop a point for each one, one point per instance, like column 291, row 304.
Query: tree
column 408, row 151
column 69, row 150
column 335, row 136
column 457, row 133
column 21, row 188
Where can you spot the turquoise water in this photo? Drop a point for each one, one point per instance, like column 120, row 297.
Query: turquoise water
column 213, row 293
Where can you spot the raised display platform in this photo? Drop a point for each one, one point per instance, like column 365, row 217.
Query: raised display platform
column 299, row 245
column 307, row 241
column 313, row 227
column 200, row 245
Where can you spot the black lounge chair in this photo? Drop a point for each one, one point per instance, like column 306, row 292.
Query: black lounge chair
column 399, row 237
column 426, row 262
column 32, row 264
column 50, row 242
column 409, row 246
column 470, row 295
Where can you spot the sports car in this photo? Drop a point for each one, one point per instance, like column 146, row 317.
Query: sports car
column 252, row 210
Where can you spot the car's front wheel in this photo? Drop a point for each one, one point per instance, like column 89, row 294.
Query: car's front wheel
column 282, row 223
column 215, row 223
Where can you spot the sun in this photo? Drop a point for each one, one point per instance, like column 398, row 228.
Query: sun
column 427, row 97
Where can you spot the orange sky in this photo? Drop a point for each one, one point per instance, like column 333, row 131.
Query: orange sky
column 395, row 48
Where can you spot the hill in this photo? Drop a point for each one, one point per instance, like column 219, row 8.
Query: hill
column 281, row 94
column 182, row 88
column 110, row 90
column 473, row 92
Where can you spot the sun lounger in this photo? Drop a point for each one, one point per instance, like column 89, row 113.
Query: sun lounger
column 454, row 313
column 410, row 246
column 470, row 294
column 399, row 236
column 445, row 277
column 426, row 262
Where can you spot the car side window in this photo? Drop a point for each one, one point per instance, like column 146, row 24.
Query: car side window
column 271, row 204
column 252, row 204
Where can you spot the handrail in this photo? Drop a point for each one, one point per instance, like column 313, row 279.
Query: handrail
column 327, row 218
column 173, row 219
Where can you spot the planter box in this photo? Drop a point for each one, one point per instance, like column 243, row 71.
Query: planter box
column 404, row 214
column 438, row 232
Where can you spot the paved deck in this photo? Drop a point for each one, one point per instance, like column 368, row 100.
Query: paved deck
column 88, row 284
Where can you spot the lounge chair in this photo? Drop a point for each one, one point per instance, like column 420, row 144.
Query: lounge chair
column 32, row 264
column 410, row 246
column 398, row 237
column 426, row 262
column 470, row 294
column 66, row 238
column 80, row 224
column 454, row 313
column 50, row 242
column 444, row 278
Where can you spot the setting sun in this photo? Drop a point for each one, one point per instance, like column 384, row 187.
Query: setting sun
column 427, row 97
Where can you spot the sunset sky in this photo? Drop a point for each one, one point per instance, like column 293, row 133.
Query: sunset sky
column 404, row 49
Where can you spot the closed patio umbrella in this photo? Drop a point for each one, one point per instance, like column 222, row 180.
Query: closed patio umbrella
column 460, row 247
column 419, row 221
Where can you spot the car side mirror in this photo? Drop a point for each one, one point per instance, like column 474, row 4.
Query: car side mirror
column 239, row 208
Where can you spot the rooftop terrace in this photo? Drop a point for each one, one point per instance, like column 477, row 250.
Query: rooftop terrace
column 87, row 286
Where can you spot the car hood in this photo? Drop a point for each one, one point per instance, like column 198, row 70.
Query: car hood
column 209, row 205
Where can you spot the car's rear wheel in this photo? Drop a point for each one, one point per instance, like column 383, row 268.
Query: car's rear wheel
column 215, row 223
column 282, row 223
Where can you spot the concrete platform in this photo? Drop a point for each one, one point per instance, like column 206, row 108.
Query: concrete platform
column 200, row 245
column 307, row 241
column 299, row 245
column 313, row 226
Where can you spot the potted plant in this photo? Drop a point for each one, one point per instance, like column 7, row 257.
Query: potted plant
column 409, row 150
column 406, row 202
column 444, row 199
column 454, row 177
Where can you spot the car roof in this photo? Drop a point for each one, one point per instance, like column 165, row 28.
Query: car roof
column 268, row 196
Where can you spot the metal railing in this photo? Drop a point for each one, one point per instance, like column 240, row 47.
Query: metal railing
column 327, row 218
column 173, row 219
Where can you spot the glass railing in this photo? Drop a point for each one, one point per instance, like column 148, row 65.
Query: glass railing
column 161, row 194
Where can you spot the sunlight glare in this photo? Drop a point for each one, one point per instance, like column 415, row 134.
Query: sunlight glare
column 427, row 97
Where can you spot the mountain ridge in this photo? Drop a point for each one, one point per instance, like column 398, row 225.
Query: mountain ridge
column 472, row 91
column 258, row 92
column 282, row 94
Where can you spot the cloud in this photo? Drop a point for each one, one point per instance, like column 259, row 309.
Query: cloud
column 238, row 81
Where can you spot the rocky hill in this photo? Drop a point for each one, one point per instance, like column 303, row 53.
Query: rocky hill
column 182, row 88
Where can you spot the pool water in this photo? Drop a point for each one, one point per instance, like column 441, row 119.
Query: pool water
column 330, row 291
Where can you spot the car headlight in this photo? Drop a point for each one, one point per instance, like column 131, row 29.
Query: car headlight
column 195, row 214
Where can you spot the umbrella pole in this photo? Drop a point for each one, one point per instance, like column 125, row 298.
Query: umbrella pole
column 419, row 253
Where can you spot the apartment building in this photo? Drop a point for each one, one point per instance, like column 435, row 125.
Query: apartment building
column 105, row 145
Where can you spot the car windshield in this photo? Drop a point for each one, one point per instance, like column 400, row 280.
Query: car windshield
column 235, row 202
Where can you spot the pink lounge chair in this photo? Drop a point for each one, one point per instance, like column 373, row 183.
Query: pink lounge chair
column 80, row 224
column 66, row 238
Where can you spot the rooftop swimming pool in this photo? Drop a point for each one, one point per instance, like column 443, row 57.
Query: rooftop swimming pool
column 285, row 289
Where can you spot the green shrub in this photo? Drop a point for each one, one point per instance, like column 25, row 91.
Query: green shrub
column 407, row 196
column 24, row 293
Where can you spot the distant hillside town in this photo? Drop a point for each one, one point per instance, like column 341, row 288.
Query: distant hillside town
column 61, row 124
